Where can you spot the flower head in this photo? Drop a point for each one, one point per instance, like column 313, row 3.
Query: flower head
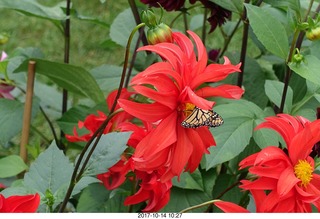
column 218, row 14
column 172, row 86
column 93, row 122
column 287, row 181
column 154, row 191
column 19, row 204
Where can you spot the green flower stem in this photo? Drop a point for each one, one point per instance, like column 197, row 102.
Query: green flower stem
column 66, row 60
column 288, row 72
column 204, row 26
column 244, row 45
column 295, row 43
column 199, row 206
column 302, row 33
column 227, row 42
column 98, row 133
column 136, row 15
column 185, row 20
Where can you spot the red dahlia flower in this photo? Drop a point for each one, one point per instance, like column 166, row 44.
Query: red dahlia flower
column 93, row 122
column 286, row 182
column 19, row 204
column 116, row 174
column 173, row 87
column 154, row 191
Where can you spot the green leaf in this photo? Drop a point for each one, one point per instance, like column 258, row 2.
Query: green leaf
column 308, row 69
column 83, row 183
column 3, row 66
column 72, row 78
column 231, row 139
column 189, row 181
column 231, row 5
column 107, row 152
column 196, row 22
column 234, row 135
column 274, row 90
column 93, row 198
column 32, row 7
column 285, row 4
column 122, row 27
column 50, row 171
column 11, row 112
column 184, row 198
column 108, row 77
column 223, row 182
column 265, row 137
column 270, row 32
column 11, row 166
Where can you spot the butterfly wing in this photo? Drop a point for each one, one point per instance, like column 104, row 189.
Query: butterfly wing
column 215, row 120
column 199, row 117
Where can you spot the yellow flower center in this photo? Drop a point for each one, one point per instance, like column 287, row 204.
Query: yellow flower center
column 303, row 171
column 189, row 107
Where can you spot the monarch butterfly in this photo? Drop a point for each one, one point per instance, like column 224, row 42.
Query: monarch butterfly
column 200, row 117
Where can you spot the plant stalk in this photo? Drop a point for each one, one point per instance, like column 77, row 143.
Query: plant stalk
column 244, row 45
column 98, row 133
column 27, row 111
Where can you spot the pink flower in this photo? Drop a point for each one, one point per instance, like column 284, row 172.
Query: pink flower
column 173, row 89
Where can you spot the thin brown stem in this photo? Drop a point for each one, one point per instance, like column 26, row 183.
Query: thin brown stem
column 27, row 112
column 98, row 133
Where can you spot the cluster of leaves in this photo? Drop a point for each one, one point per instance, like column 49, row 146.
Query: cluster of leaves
column 269, row 31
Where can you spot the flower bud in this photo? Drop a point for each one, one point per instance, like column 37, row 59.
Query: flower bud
column 313, row 34
column 159, row 34
column 149, row 18
column 298, row 58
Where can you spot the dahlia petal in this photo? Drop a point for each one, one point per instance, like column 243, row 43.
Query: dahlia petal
column 21, row 204
column 202, row 55
column 301, row 145
column 164, row 53
column 286, row 181
column 271, row 153
column 184, row 43
column 165, row 98
column 259, row 197
column 159, row 68
column 309, row 196
column 229, row 207
column 283, row 125
column 261, row 183
column 158, row 139
column 181, row 152
column 248, row 161
column 147, row 112
column 268, row 171
column 225, row 91
column 196, row 139
column 214, row 73
column 189, row 96
column 151, row 163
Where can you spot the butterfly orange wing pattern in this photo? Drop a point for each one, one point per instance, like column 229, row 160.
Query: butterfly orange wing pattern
column 200, row 117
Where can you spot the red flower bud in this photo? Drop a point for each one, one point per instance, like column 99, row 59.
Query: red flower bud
column 159, row 34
